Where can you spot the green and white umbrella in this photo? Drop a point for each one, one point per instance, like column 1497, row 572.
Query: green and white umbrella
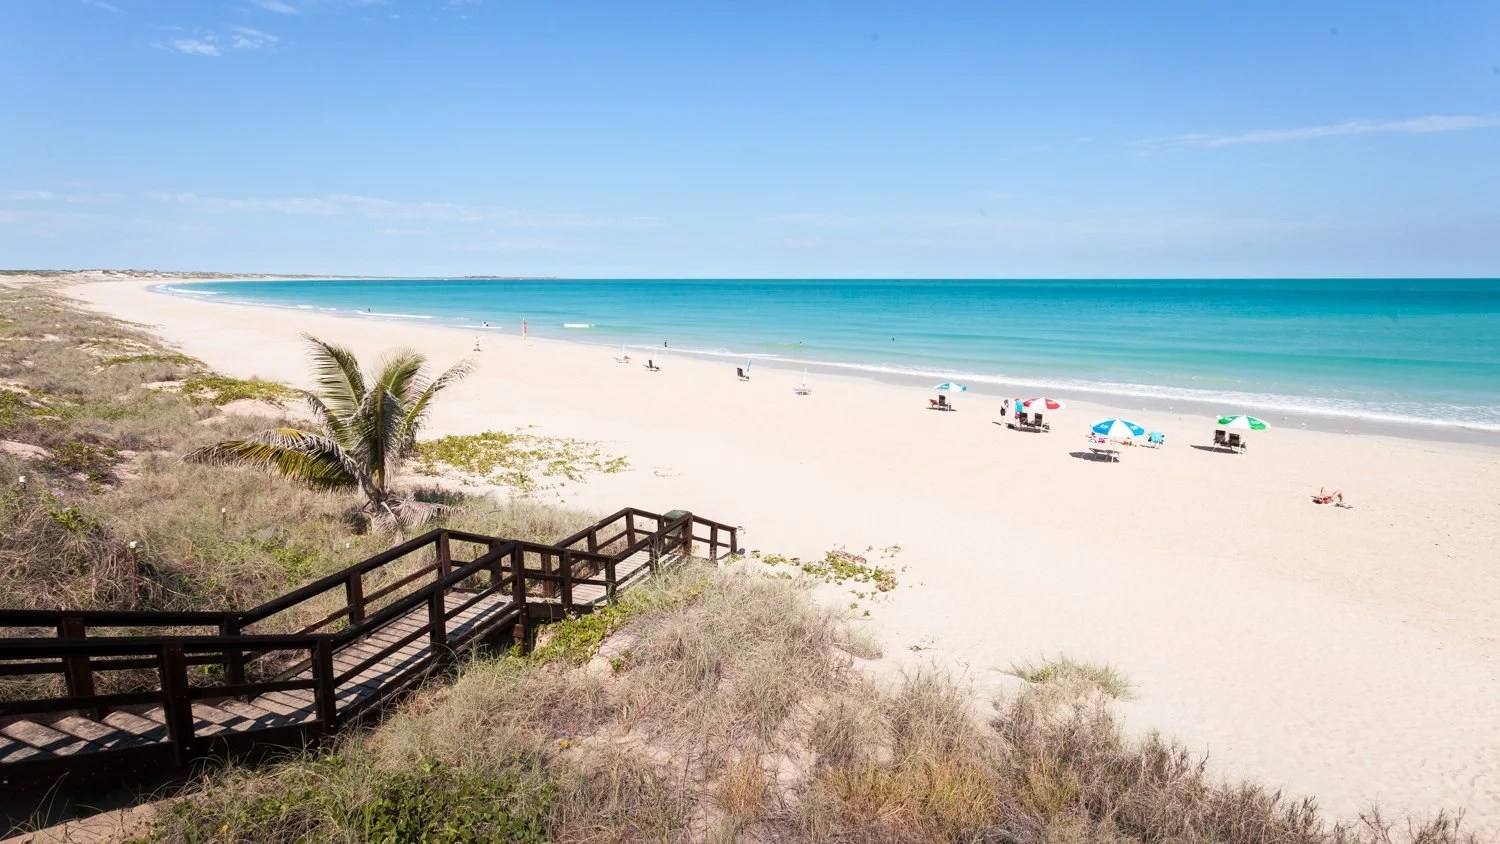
column 1242, row 423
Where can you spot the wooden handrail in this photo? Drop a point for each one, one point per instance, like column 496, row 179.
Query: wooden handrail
column 323, row 584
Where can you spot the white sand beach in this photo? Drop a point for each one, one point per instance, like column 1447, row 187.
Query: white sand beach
column 1353, row 654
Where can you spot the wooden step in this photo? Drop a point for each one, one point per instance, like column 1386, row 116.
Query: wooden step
column 47, row 741
column 101, row 734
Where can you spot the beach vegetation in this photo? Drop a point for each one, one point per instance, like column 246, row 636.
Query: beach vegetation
column 217, row 390
column 1075, row 676
column 521, row 461
column 170, row 358
column 367, row 423
column 838, row 567
column 724, row 708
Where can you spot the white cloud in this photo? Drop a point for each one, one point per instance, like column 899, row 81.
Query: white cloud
column 276, row 6
column 100, row 4
column 1414, row 125
column 245, row 38
column 193, row 46
column 349, row 205
column 54, row 196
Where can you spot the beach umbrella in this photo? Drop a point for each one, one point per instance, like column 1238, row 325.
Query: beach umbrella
column 1042, row 403
column 950, row 387
column 1243, row 423
column 1116, row 429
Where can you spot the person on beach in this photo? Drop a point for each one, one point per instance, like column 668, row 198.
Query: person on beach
column 1336, row 498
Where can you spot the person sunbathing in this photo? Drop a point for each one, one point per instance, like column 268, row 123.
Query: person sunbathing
column 1335, row 498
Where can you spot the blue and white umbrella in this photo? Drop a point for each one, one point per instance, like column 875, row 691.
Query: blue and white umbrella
column 950, row 387
column 1116, row 429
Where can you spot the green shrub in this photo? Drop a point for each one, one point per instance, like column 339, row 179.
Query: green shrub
column 517, row 460
column 221, row 389
column 337, row 797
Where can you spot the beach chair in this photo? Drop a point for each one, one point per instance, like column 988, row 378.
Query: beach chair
column 1234, row 441
column 803, row 390
column 1156, row 439
column 740, row 372
column 944, row 404
column 651, row 366
column 1036, row 421
column 1221, row 438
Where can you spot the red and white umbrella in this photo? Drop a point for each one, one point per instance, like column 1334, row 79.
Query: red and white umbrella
column 1042, row 403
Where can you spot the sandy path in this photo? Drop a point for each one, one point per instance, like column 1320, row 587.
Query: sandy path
column 1351, row 654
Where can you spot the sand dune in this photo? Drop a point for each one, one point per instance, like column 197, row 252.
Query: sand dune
column 1350, row 654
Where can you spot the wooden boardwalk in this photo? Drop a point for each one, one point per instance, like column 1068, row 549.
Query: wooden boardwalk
column 402, row 620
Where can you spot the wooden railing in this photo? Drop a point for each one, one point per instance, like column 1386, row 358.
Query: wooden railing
column 191, row 657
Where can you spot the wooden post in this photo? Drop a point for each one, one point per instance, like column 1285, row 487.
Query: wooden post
column 549, row 588
column 234, row 658
column 593, row 540
column 713, row 541
column 497, row 568
column 522, row 630
column 176, row 704
column 354, row 590
column 734, row 540
column 444, row 556
column 655, row 554
column 437, row 631
column 324, row 694
column 567, row 579
column 77, row 671
column 630, row 528
column 610, row 579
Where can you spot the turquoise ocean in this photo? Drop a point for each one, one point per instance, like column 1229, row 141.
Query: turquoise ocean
column 1425, row 351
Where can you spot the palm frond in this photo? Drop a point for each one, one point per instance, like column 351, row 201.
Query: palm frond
column 374, row 430
column 326, row 417
column 401, row 374
column 416, row 411
column 341, row 385
column 313, row 459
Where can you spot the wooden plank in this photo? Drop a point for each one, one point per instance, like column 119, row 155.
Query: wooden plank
column 104, row 736
column 137, row 725
column 46, row 739
column 15, row 751
column 260, row 718
column 269, row 704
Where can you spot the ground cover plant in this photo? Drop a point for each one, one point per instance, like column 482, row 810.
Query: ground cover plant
column 524, row 462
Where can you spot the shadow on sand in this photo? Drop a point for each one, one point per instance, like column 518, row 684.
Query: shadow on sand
column 1089, row 455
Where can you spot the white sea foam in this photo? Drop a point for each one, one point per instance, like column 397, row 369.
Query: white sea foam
column 186, row 292
column 397, row 316
column 578, row 325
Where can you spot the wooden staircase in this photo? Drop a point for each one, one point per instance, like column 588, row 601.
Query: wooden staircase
column 218, row 684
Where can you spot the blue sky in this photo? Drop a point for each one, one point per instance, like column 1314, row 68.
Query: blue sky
column 411, row 137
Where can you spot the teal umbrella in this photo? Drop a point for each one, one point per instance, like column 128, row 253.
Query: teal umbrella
column 1242, row 423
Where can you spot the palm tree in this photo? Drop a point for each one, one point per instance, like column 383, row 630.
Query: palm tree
column 368, row 424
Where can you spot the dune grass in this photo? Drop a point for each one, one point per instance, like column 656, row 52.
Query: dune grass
column 723, row 706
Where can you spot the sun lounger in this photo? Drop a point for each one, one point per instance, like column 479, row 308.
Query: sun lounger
column 1156, row 439
column 651, row 366
column 1221, row 438
column 1235, row 442
column 803, row 390
column 740, row 371
column 944, row 404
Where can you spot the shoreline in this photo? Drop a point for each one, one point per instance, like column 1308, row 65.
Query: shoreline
column 1274, row 409
column 1304, row 647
